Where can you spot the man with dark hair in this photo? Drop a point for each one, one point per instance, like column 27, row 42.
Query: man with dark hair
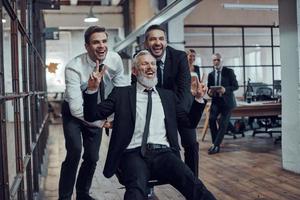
column 144, row 139
column 78, row 132
column 173, row 73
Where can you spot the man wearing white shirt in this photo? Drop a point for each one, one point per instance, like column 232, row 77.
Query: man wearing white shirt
column 78, row 132
column 144, row 140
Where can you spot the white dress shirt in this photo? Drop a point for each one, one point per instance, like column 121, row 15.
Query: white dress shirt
column 77, row 73
column 157, row 129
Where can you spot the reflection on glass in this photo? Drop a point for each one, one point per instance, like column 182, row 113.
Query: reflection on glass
column 228, row 36
column 231, row 56
column 199, row 36
column 7, row 53
column 257, row 36
column 258, row 56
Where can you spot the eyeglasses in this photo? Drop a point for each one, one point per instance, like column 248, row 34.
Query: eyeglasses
column 216, row 59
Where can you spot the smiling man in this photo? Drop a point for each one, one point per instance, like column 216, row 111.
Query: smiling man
column 144, row 143
column 173, row 73
column 78, row 132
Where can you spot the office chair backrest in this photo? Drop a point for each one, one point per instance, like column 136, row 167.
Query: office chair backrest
column 263, row 93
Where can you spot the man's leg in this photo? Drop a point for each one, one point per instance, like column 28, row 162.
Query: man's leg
column 72, row 134
column 213, row 117
column 168, row 167
column 134, row 174
column 91, row 143
column 191, row 148
column 224, row 120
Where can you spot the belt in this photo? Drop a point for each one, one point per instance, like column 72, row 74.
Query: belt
column 156, row 146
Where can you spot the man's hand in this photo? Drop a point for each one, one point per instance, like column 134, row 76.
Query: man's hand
column 95, row 77
column 108, row 124
column 198, row 89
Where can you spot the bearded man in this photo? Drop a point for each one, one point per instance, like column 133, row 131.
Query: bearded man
column 144, row 143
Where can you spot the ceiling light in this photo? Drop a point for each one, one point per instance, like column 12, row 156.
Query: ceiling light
column 238, row 6
column 3, row 21
column 91, row 17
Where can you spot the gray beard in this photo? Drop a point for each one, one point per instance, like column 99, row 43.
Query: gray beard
column 149, row 83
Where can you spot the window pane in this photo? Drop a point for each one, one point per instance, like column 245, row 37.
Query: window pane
column 258, row 36
column 259, row 74
column 228, row 36
column 277, row 73
column 258, row 56
column 277, row 56
column 198, row 37
column 231, row 56
column 238, row 71
column 276, row 39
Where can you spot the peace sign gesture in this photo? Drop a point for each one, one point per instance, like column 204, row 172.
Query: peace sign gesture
column 95, row 77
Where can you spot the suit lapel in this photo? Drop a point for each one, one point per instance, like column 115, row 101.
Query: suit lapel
column 167, row 65
column 163, row 101
column 132, row 100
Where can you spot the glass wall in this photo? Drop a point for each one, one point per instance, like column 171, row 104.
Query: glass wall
column 251, row 51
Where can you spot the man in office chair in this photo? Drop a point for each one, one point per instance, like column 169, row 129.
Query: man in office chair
column 144, row 139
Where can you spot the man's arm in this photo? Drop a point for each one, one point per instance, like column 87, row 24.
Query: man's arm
column 183, row 80
column 73, row 92
column 233, row 82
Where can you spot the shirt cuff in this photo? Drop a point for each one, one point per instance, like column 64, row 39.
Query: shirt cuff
column 91, row 91
column 200, row 100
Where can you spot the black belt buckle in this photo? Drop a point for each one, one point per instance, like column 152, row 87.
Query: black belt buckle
column 152, row 147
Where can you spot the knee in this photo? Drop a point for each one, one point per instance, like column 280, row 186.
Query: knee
column 74, row 153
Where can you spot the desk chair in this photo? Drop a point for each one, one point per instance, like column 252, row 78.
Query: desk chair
column 151, row 184
column 265, row 94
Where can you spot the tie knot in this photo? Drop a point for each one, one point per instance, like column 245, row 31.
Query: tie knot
column 149, row 91
column 159, row 63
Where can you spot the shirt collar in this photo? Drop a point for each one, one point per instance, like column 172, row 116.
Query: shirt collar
column 140, row 88
column 91, row 62
column 218, row 69
column 163, row 58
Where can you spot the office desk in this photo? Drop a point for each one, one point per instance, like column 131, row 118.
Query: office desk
column 244, row 109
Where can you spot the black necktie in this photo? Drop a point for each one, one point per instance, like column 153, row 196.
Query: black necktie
column 218, row 77
column 159, row 63
column 101, row 86
column 147, row 124
column 102, row 93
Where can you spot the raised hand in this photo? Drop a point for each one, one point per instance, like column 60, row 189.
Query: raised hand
column 198, row 89
column 95, row 77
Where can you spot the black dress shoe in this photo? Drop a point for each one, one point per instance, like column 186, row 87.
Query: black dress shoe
column 213, row 150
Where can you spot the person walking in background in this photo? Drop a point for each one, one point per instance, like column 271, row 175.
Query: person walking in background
column 144, row 140
column 173, row 73
column 78, row 132
column 221, row 85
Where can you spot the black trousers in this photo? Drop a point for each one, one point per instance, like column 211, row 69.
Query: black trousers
column 191, row 148
column 77, row 135
column 217, row 134
column 163, row 165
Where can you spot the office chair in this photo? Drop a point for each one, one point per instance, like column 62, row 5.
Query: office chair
column 267, row 122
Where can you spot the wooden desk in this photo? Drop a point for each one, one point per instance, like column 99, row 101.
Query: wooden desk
column 244, row 109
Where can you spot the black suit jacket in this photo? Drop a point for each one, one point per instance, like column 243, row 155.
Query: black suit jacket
column 229, row 82
column 176, row 75
column 122, row 102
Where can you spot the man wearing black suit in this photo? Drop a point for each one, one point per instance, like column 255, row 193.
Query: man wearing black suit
column 223, row 100
column 143, row 145
column 174, row 74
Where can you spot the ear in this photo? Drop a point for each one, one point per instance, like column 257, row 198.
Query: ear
column 86, row 46
column 134, row 71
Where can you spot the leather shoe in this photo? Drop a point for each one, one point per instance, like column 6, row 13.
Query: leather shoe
column 213, row 150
